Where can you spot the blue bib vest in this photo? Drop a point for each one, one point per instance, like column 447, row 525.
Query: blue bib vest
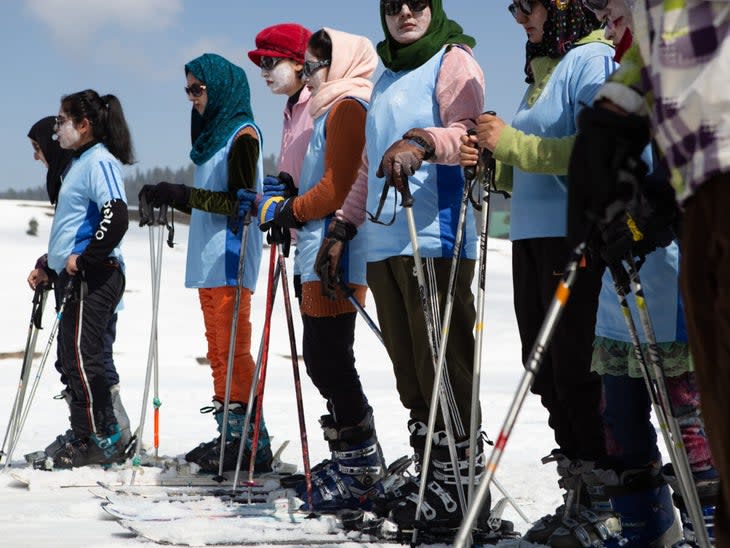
column 311, row 235
column 213, row 248
column 401, row 101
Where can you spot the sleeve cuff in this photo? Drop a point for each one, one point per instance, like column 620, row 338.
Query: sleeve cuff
column 625, row 97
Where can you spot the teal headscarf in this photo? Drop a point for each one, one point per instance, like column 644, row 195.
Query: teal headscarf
column 441, row 31
column 229, row 104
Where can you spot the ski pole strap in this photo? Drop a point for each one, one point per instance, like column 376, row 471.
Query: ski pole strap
column 38, row 297
column 170, row 229
column 146, row 212
column 383, row 197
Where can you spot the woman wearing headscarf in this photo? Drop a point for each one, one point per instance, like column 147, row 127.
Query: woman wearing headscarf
column 47, row 150
column 229, row 169
column 429, row 95
column 567, row 60
column 337, row 71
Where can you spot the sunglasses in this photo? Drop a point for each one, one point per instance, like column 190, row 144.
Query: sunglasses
column 59, row 121
column 196, row 90
column 394, row 7
column 525, row 6
column 310, row 67
column 268, row 63
column 595, row 4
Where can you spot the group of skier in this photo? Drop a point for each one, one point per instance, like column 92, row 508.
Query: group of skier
column 346, row 142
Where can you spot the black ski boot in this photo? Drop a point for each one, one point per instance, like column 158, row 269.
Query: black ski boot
column 207, row 455
column 581, row 518
column 353, row 478
column 441, row 511
column 104, row 449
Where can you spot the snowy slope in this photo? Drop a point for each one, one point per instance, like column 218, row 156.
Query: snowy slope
column 71, row 517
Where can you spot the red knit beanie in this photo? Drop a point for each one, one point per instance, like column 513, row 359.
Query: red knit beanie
column 287, row 40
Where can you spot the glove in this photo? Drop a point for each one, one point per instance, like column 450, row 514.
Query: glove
column 403, row 158
column 327, row 263
column 246, row 199
column 280, row 185
column 165, row 193
column 605, row 167
column 277, row 211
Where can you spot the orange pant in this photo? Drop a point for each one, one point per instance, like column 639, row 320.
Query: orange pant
column 217, row 304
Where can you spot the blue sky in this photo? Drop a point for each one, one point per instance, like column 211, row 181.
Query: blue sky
column 136, row 49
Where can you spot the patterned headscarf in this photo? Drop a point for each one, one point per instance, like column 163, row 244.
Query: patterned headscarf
column 567, row 22
column 440, row 32
column 229, row 104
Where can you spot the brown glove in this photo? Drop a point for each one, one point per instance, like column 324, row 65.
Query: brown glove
column 327, row 263
column 403, row 158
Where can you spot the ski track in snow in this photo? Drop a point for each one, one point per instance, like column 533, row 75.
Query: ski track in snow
column 49, row 515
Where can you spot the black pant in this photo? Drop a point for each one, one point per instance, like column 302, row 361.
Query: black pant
column 110, row 335
column 401, row 319
column 330, row 361
column 568, row 389
column 81, row 346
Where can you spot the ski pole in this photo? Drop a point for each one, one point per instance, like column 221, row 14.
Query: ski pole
column 259, row 375
column 361, row 311
column 297, row 380
column 438, row 393
column 147, row 218
column 67, row 292
column 36, row 315
column 665, row 412
column 532, row 366
column 156, row 277
column 232, row 345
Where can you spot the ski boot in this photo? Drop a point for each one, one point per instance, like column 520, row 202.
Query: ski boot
column 582, row 520
column 353, row 478
column 707, row 484
column 104, row 449
column 441, row 511
column 207, row 455
column 121, row 415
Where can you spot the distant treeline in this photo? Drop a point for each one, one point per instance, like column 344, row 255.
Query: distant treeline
column 133, row 183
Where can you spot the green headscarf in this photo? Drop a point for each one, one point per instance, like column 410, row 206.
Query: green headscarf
column 441, row 31
column 229, row 104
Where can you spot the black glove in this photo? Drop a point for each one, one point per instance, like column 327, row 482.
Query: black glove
column 329, row 257
column 605, row 167
column 403, row 158
column 165, row 193
column 277, row 211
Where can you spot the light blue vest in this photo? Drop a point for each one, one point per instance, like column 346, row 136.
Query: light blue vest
column 311, row 235
column 659, row 278
column 93, row 179
column 401, row 101
column 213, row 249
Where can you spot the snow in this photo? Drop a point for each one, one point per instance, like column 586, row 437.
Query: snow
column 47, row 514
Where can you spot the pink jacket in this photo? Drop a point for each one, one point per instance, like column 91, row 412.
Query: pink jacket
column 295, row 136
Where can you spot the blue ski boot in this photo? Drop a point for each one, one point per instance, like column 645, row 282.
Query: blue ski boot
column 353, row 478
column 207, row 455
column 707, row 484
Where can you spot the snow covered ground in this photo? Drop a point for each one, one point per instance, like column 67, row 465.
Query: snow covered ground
column 72, row 516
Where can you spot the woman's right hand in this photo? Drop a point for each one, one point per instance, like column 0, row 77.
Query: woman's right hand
column 37, row 277
column 468, row 151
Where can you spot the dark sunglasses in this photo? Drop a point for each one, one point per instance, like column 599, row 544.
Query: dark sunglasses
column 196, row 90
column 595, row 4
column 525, row 6
column 310, row 67
column 268, row 63
column 394, row 7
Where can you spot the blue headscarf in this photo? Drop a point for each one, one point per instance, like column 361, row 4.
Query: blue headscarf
column 228, row 108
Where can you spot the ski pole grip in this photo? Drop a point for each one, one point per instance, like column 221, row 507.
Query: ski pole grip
column 486, row 153
column 406, row 196
column 470, row 171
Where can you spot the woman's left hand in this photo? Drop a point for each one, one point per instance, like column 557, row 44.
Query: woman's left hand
column 71, row 266
column 489, row 129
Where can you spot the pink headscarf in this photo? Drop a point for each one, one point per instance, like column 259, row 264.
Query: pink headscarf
column 353, row 63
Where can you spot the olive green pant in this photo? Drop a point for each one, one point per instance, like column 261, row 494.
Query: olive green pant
column 400, row 314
